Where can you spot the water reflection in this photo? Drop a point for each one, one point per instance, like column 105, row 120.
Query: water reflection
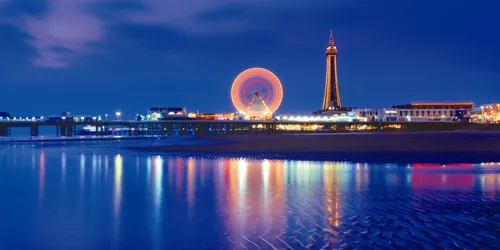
column 63, row 168
column 82, row 172
column 191, row 185
column 41, row 176
column 192, row 203
column 118, row 185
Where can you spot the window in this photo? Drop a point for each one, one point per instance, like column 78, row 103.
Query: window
column 400, row 113
column 411, row 113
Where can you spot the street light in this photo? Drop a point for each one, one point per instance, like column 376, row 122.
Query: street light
column 106, row 115
column 118, row 114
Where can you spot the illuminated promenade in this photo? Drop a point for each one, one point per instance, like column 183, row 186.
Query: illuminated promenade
column 229, row 127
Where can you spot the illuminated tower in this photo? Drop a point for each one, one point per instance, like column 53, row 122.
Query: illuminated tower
column 331, row 100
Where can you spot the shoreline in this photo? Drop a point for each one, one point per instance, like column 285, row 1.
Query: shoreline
column 428, row 147
column 373, row 147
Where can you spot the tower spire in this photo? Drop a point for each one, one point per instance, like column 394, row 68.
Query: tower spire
column 331, row 43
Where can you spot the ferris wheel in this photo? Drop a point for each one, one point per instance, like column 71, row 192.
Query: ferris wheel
column 256, row 92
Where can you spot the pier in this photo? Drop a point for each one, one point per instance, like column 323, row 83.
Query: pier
column 230, row 127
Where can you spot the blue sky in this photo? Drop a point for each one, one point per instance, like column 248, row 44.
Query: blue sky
column 99, row 56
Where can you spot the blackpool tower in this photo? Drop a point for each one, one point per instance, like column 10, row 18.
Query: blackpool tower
column 331, row 100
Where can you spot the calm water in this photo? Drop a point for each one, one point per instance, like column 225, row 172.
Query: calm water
column 86, row 197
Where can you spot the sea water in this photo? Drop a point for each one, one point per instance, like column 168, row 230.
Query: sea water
column 101, row 195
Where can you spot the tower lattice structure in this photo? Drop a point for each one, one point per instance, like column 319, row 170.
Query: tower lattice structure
column 331, row 100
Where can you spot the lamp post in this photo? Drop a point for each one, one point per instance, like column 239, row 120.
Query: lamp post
column 118, row 114
column 106, row 116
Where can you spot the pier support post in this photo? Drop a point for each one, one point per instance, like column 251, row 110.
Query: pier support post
column 69, row 130
column 3, row 130
column 170, row 129
column 183, row 129
column 34, row 130
column 163, row 129
column 202, row 129
column 63, row 130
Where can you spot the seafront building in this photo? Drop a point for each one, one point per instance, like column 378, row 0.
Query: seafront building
column 435, row 112
column 414, row 112
column 156, row 113
column 486, row 113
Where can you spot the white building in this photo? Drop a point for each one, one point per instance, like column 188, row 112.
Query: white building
column 427, row 112
column 368, row 114
column 390, row 115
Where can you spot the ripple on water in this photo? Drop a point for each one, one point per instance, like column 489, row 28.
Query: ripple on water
column 394, row 220
column 267, row 204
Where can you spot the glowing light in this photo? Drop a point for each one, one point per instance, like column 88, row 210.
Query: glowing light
column 241, row 92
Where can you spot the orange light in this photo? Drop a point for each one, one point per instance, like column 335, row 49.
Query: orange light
column 442, row 104
column 272, row 79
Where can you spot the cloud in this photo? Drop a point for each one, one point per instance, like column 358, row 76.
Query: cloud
column 2, row 3
column 186, row 15
column 63, row 33
column 68, row 28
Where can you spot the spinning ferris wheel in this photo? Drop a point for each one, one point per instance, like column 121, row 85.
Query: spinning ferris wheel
column 256, row 92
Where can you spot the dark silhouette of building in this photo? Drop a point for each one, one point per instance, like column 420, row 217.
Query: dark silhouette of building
column 4, row 115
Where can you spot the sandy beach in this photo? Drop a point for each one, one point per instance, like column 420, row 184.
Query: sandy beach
column 429, row 146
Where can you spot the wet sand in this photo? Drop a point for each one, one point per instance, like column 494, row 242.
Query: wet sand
column 429, row 146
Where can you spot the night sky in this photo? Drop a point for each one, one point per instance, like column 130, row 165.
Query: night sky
column 100, row 56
